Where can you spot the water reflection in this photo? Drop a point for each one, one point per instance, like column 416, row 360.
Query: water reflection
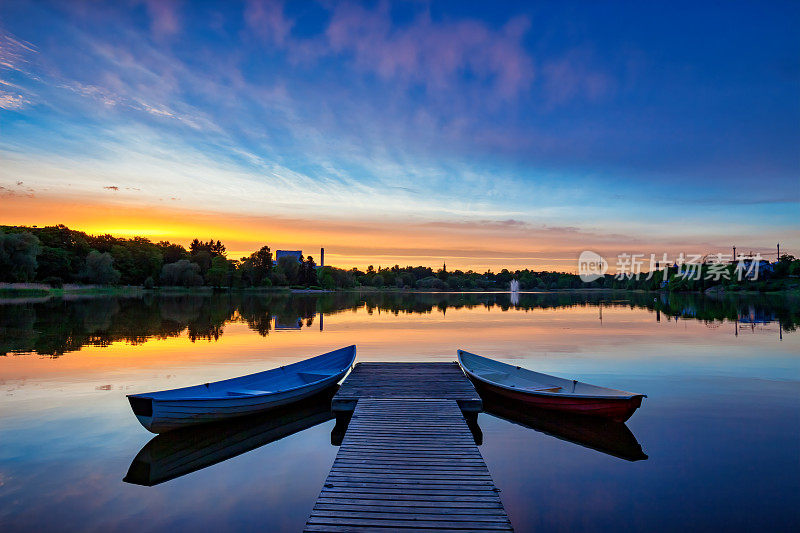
column 720, row 426
column 57, row 326
column 183, row 451
column 603, row 435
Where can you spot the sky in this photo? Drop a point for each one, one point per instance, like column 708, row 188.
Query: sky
column 481, row 134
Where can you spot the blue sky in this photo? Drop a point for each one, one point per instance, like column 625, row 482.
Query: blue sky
column 533, row 126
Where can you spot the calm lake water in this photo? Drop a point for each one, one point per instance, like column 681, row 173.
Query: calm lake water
column 716, row 445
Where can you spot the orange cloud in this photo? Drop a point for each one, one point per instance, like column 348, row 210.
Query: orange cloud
column 469, row 244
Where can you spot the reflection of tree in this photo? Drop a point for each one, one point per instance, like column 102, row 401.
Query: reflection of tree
column 256, row 313
column 764, row 308
column 213, row 314
column 54, row 327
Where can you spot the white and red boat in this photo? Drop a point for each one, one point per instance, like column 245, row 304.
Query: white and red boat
column 548, row 392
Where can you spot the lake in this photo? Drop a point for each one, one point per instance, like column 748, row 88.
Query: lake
column 716, row 445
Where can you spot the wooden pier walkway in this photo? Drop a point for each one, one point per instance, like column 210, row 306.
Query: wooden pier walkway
column 408, row 463
column 411, row 381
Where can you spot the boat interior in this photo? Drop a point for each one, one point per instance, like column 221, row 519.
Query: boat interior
column 527, row 380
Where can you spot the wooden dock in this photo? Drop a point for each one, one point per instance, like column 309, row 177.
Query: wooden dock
column 411, row 381
column 408, row 463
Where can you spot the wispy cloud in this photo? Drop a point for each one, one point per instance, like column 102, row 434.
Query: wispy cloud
column 164, row 16
column 14, row 55
column 432, row 54
column 11, row 101
column 267, row 20
column 505, row 125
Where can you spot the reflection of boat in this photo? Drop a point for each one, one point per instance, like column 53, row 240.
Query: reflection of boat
column 171, row 409
column 548, row 392
column 601, row 434
column 186, row 450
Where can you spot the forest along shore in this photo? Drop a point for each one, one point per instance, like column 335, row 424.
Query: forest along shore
column 65, row 260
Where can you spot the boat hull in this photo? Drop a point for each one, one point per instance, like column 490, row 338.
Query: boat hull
column 167, row 410
column 618, row 409
column 177, row 453
column 168, row 415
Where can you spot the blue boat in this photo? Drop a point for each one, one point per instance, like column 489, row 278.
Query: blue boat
column 221, row 400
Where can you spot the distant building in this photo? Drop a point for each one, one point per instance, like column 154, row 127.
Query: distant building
column 283, row 323
column 296, row 254
column 755, row 316
column 752, row 267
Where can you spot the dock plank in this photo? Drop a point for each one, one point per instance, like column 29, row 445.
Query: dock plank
column 407, row 381
column 408, row 464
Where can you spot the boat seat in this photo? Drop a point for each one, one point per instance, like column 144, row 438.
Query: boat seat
column 247, row 392
column 310, row 377
column 544, row 388
column 491, row 375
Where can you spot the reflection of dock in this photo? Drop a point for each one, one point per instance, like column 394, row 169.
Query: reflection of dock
column 408, row 459
column 183, row 451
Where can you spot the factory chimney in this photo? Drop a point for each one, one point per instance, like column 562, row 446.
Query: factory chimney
column 321, row 257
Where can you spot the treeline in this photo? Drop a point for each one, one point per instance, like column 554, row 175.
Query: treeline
column 780, row 275
column 56, row 255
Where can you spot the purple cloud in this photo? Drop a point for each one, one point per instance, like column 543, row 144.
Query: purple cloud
column 432, row 53
column 571, row 76
column 267, row 20
column 164, row 17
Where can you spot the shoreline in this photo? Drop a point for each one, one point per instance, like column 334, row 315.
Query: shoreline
column 41, row 290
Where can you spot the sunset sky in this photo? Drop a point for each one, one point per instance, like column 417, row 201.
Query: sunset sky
column 483, row 134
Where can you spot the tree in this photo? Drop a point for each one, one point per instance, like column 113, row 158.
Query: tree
column 182, row 273
column 784, row 264
column 99, row 268
column 327, row 281
column 256, row 268
column 290, row 269
column 213, row 248
column 406, row 279
column 123, row 260
column 18, row 253
column 203, row 260
column 172, row 252
column 54, row 263
column 219, row 274
column 308, row 271
column 431, row 282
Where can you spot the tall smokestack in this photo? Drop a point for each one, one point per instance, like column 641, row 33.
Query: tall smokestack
column 321, row 257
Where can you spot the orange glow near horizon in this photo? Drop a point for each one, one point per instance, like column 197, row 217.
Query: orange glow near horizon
column 347, row 243
column 467, row 245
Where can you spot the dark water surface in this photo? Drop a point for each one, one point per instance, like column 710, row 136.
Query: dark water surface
column 716, row 445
